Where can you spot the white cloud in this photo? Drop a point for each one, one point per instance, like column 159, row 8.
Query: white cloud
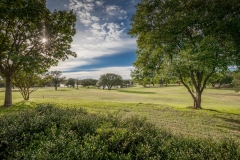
column 101, row 37
column 114, row 10
column 107, row 31
column 74, row 4
column 99, row 3
column 86, row 53
column 123, row 71
column 83, row 11
column 89, row 7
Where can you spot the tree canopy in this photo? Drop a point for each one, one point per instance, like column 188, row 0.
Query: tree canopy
column 28, row 82
column 32, row 38
column 188, row 39
column 88, row 82
column 71, row 82
column 57, row 78
column 236, row 81
column 109, row 80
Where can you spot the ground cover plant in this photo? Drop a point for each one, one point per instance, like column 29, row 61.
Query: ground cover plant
column 51, row 132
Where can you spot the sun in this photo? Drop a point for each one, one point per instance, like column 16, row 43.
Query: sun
column 44, row 40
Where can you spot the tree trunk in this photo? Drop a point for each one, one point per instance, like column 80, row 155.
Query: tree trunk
column 198, row 100
column 8, row 92
column 55, row 87
column 213, row 84
column 25, row 93
column 27, row 98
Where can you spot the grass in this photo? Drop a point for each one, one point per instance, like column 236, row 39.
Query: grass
column 51, row 132
column 163, row 106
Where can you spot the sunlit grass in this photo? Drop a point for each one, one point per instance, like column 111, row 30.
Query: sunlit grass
column 164, row 106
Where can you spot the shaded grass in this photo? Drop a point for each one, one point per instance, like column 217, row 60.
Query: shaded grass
column 137, row 92
column 18, row 107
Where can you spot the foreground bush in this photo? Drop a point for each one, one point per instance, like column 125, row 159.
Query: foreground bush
column 52, row 133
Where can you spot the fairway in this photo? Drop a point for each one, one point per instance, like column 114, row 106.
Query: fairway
column 164, row 106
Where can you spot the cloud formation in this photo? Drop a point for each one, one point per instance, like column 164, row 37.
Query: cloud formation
column 99, row 3
column 83, row 11
column 107, row 31
column 95, row 74
column 101, row 31
column 114, row 10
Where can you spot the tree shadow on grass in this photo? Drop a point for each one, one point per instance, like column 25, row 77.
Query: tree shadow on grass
column 137, row 92
column 232, row 123
column 19, row 106
column 225, row 113
column 61, row 90
column 212, row 110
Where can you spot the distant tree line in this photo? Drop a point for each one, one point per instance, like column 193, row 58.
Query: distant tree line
column 30, row 82
column 218, row 79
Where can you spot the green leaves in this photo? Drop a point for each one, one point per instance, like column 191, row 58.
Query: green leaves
column 32, row 39
column 56, row 78
column 190, row 39
column 109, row 80
column 236, row 81
column 28, row 82
column 88, row 82
column 23, row 26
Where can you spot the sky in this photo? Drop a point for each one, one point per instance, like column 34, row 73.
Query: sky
column 101, row 43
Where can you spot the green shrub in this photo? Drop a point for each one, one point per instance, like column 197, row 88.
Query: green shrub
column 48, row 132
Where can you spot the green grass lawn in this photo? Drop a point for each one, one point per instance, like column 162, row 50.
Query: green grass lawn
column 164, row 106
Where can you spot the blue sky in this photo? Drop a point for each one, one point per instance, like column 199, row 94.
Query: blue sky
column 101, row 42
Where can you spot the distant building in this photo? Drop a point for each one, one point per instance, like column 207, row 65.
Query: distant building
column 62, row 85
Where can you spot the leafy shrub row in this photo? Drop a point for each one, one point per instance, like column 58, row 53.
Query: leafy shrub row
column 49, row 132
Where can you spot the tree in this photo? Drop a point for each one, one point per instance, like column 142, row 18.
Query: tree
column 127, row 83
column 71, row 82
column 109, row 80
column 236, row 81
column 28, row 82
column 89, row 82
column 142, row 76
column 215, row 79
column 190, row 39
column 56, row 78
column 78, row 82
column 32, row 38
column 102, row 81
column 2, row 82
column 226, row 79
column 221, row 78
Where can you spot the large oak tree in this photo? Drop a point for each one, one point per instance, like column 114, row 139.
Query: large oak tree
column 32, row 38
column 191, row 39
